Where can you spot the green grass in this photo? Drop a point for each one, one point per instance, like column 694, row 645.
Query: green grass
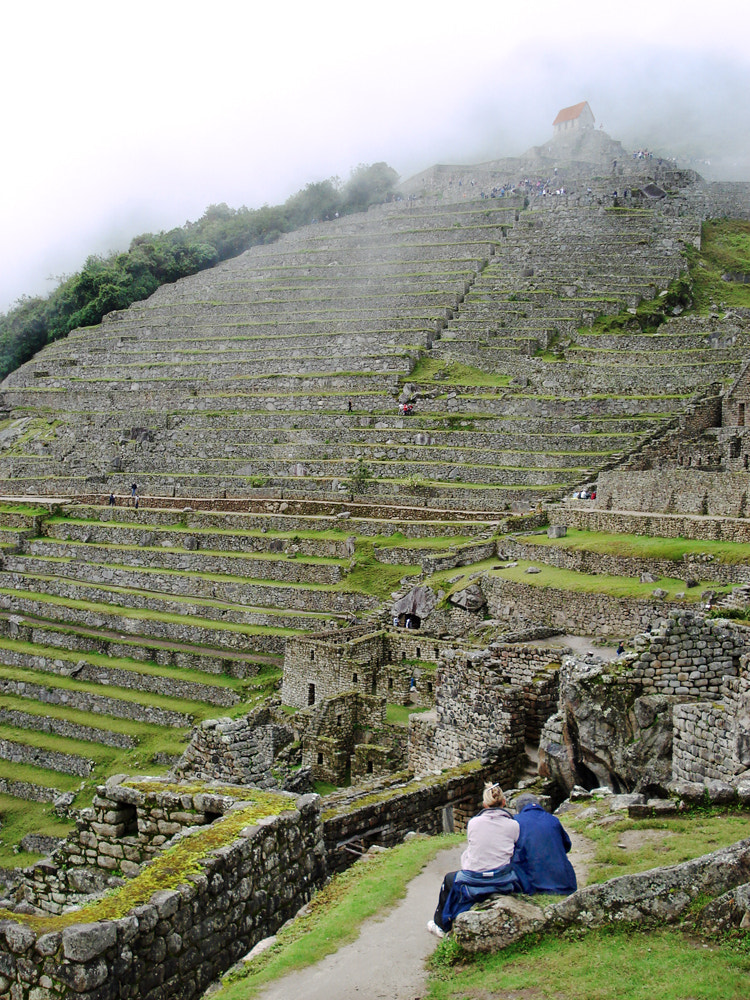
column 336, row 914
column 598, row 965
column 725, row 248
column 645, row 547
column 20, row 817
column 660, row 842
column 440, row 371
column 398, row 715
column 613, row 586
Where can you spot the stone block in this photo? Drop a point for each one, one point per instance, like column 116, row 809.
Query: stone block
column 83, row 942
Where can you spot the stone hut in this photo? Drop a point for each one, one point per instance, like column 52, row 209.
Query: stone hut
column 578, row 116
column 735, row 410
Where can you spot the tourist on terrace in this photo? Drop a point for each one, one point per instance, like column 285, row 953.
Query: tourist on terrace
column 540, row 859
column 485, row 864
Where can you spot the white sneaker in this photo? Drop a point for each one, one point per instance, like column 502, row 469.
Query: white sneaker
column 433, row 928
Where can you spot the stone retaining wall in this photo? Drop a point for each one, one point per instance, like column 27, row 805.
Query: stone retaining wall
column 695, row 565
column 62, row 727
column 578, row 613
column 97, row 703
column 66, row 763
column 127, row 679
column 674, row 491
column 625, row 522
column 178, row 940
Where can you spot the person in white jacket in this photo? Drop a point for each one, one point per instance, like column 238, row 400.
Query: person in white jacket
column 491, row 839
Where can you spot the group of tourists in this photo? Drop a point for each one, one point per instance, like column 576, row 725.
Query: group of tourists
column 505, row 854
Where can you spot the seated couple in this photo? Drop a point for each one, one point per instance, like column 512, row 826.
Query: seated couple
column 525, row 853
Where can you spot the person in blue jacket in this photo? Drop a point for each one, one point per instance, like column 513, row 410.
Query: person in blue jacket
column 540, row 858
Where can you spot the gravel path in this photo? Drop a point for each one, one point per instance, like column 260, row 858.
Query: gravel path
column 386, row 962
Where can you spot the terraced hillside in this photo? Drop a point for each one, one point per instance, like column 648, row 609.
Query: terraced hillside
column 121, row 629
column 282, row 369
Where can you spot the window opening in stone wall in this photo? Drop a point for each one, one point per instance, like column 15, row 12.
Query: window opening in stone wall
column 369, row 767
column 355, row 678
column 374, row 684
column 129, row 820
column 320, row 758
column 403, row 656
column 429, row 687
column 419, row 653
column 312, row 654
column 310, row 694
column 390, row 683
column 339, row 720
column 741, row 415
column 437, row 652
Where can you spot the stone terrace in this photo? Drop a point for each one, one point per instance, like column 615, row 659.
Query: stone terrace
column 122, row 628
column 240, row 378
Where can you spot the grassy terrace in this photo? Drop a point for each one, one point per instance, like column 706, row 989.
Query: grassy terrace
column 643, row 546
column 613, row 586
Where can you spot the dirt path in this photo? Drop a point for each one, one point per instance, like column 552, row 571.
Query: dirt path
column 387, row 960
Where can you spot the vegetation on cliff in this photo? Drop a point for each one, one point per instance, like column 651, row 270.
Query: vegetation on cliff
column 114, row 281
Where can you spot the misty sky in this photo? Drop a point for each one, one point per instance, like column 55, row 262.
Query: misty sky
column 124, row 118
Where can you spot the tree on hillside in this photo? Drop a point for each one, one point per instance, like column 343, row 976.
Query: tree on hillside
column 369, row 185
column 114, row 281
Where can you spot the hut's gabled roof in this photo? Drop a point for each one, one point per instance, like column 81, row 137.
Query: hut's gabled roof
column 571, row 113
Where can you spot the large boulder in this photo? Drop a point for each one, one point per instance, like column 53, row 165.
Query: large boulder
column 419, row 601
column 471, row 598
column 608, row 733
column 497, row 923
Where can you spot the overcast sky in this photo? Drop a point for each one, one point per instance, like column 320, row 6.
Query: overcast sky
column 125, row 118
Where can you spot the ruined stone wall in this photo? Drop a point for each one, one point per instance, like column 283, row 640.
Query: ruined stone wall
column 432, row 805
column 477, row 711
column 422, row 732
column 579, row 613
column 674, row 491
column 711, row 740
column 335, row 727
column 323, row 666
column 688, row 656
column 238, row 751
column 320, row 667
column 180, row 939
column 536, row 671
